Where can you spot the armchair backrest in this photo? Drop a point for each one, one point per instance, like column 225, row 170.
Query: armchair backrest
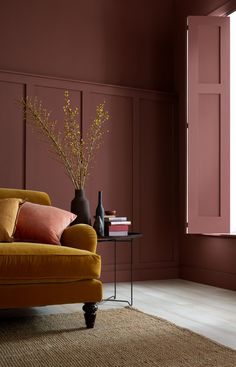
column 37, row 197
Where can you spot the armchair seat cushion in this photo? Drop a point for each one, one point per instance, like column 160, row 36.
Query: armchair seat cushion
column 22, row 263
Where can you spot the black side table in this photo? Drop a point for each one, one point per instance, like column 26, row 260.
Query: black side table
column 131, row 236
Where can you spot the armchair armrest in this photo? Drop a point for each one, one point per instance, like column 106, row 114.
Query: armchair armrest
column 80, row 236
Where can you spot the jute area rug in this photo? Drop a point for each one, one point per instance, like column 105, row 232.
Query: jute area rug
column 121, row 337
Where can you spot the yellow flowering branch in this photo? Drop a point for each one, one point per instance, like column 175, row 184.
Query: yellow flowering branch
column 74, row 152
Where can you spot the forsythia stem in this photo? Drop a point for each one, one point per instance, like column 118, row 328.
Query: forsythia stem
column 74, row 152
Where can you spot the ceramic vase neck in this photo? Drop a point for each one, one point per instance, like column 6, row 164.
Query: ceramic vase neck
column 79, row 192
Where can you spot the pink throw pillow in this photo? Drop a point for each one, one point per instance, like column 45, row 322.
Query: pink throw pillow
column 42, row 223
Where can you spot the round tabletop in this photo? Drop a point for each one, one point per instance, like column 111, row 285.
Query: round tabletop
column 131, row 236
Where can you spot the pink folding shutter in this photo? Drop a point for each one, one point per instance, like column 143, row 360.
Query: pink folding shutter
column 208, row 125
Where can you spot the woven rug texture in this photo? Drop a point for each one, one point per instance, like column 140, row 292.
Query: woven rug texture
column 121, row 337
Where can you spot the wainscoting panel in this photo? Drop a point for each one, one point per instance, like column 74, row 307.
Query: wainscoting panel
column 12, row 137
column 42, row 165
column 135, row 166
column 157, row 181
column 112, row 169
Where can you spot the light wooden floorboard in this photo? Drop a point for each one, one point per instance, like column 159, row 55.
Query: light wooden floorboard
column 207, row 310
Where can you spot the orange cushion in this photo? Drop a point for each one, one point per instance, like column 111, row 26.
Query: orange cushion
column 8, row 214
column 42, row 223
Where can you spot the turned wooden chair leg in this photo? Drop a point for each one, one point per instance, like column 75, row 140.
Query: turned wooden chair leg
column 90, row 314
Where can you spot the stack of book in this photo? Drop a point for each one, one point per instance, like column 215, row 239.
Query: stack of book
column 116, row 226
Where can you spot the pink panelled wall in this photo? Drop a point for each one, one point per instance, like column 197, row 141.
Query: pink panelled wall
column 108, row 43
column 135, row 167
column 205, row 259
column 114, row 43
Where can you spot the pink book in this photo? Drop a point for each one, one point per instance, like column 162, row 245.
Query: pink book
column 115, row 228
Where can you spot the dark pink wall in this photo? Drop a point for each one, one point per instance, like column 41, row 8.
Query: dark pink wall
column 128, row 43
column 106, row 41
column 203, row 259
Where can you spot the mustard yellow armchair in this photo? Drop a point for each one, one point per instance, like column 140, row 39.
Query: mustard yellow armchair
column 37, row 274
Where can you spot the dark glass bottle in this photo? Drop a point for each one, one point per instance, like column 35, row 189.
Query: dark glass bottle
column 100, row 213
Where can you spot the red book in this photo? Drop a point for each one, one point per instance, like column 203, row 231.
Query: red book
column 117, row 227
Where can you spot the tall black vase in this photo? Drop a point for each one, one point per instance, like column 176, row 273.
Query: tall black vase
column 99, row 217
column 80, row 207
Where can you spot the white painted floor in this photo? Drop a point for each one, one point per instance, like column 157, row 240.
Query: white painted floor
column 207, row 310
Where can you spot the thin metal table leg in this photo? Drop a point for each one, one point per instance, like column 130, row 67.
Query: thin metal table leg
column 113, row 298
column 115, row 270
column 131, row 271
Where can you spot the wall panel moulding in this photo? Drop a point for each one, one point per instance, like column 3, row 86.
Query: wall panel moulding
column 135, row 167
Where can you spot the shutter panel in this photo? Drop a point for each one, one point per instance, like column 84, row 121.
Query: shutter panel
column 208, row 198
